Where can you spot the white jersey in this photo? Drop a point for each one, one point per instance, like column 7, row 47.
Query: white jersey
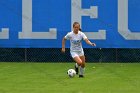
column 75, row 40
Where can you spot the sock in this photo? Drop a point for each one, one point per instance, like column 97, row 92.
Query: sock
column 81, row 71
column 76, row 65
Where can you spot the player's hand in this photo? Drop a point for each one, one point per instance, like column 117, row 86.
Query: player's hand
column 63, row 50
column 93, row 44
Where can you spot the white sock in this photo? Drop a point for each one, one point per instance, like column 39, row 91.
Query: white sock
column 76, row 65
column 81, row 71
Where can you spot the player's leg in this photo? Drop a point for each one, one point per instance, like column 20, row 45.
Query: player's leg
column 78, row 61
column 83, row 60
column 82, row 67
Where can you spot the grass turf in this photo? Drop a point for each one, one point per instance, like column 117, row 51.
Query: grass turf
column 52, row 78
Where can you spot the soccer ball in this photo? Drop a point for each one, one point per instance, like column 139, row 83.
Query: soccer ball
column 71, row 73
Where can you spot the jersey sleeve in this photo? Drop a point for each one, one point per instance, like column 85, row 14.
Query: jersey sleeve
column 84, row 36
column 67, row 36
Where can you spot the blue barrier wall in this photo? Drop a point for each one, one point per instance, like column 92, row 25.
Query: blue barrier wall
column 43, row 23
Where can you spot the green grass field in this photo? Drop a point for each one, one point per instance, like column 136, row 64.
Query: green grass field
column 52, row 78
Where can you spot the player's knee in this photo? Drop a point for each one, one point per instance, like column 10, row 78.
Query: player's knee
column 79, row 63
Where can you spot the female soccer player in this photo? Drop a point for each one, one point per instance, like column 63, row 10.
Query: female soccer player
column 76, row 49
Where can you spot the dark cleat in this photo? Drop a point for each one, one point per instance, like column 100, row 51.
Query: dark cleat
column 81, row 76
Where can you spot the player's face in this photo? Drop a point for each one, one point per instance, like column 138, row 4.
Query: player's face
column 76, row 28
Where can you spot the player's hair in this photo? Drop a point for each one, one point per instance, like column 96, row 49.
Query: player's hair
column 75, row 23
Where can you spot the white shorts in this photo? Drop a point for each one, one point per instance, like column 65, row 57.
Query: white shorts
column 77, row 53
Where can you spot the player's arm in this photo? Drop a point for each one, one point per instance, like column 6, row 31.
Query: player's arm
column 88, row 42
column 63, row 44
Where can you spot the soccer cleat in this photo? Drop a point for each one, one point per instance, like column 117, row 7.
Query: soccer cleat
column 81, row 76
column 77, row 70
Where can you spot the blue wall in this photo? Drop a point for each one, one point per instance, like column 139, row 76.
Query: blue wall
column 108, row 23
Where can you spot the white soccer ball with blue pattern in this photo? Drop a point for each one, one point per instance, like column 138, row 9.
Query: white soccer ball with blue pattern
column 71, row 73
